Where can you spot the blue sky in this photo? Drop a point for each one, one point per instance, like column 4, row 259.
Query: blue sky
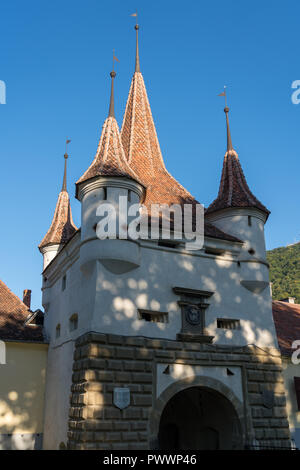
column 55, row 60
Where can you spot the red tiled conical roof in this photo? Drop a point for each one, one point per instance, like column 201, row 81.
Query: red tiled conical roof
column 62, row 227
column 141, row 146
column 142, row 149
column 110, row 158
column 234, row 190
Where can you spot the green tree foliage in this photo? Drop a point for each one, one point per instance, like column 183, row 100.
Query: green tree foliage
column 285, row 271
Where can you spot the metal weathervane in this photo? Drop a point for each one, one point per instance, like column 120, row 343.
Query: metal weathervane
column 67, row 142
column 115, row 59
column 224, row 94
column 136, row 16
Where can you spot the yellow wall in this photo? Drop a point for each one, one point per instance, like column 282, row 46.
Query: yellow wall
column 22, row 388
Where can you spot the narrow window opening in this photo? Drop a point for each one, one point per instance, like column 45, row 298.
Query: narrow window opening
column 228, row 323
column 129, row 196
column 152, row 316
column 104, row 194
column 73, row 322
column 57, row 331
column 249, row 220
column 64, row 282
column 214, row 251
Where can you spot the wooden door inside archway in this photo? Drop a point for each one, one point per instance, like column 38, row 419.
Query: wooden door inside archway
column 199, row 418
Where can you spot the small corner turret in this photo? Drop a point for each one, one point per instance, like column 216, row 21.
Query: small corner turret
column 62, row 227
column 236, row 210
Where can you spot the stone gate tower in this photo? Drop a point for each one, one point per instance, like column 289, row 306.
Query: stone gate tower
column 151, row 345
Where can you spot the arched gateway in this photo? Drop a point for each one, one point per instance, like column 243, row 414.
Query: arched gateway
column 202, row 415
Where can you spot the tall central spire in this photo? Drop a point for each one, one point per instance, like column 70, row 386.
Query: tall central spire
column 141, row 145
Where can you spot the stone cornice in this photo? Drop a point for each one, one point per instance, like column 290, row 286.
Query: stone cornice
column 109, row 182
column 50, row 247
column 191, row 292
column 255, row 260
column 237, row 211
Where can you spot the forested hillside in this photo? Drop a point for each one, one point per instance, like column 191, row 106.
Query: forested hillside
column 285, row 271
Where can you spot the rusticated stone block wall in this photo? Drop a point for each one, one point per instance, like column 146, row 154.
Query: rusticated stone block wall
column 102, row 362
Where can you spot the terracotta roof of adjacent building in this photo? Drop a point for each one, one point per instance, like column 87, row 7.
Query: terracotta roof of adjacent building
column 234, row 190
column 13, row 314
column 287, row 323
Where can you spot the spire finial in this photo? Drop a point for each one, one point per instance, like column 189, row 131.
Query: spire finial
column 64, row 185
column 137, row 57
column 226, row 111
column 229, row 142
column 113, row 74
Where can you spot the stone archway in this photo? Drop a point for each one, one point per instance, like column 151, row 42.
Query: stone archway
column 197, row 413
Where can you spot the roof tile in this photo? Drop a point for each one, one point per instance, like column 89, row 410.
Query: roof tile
column 287, row 323
column 110, row 158
column 13, row 314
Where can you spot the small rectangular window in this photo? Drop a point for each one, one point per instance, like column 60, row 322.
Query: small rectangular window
column 57, row 331
column 64, row 282
column 104, row 194
column 152, row 316
column 73, row 322
column 228, row 323
column 297, row 390
column 214, row 251
column 249, row 220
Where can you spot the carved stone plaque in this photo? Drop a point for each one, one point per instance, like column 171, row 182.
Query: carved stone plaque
column 121, row 397
column 193, row 306
column 193, row 314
